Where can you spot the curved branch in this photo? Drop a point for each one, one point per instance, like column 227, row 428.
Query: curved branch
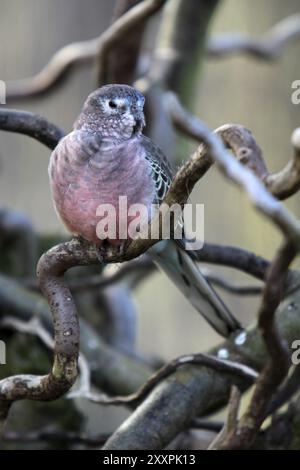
column 33, row 125
column 51, row 269
column 242, row 143
column 239, row 139
column 268, row 47
column 229, row 286
column 221, row 365
column 132, row 273
column 234, row 257
column 78, row 53
column 124, row 375
column 286, row 182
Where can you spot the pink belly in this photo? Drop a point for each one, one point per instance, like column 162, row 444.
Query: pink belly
column 78, row 192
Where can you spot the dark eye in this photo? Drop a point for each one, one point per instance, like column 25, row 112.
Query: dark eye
column 112, row 104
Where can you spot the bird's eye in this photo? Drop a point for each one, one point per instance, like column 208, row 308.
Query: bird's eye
column 112, row 104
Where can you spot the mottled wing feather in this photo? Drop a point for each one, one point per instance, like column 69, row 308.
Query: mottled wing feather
column 160, row 166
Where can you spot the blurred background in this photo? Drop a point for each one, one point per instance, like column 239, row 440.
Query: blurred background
column 237, row 89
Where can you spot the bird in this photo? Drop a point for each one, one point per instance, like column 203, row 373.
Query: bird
column 106, row 156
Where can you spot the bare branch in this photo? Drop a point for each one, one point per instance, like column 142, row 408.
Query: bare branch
column 268, row 47
column 52, row 435
column 132, row 273
column 51, row 269
column 287, row 182
column 234, row 257
column 215, row 363
column 125, row 374
column 242, row 143
column 79, row 53
column 30, row 124
column 118, row 65
column 228, row 286
column 35, row 327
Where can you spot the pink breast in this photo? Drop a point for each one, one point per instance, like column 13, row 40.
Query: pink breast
column 79, row 188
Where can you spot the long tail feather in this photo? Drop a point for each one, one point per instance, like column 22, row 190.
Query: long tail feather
column 184, row 272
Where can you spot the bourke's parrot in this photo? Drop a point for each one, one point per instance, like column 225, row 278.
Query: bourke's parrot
column 107, row 156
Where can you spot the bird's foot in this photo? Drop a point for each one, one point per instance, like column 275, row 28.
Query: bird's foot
column 108, row 253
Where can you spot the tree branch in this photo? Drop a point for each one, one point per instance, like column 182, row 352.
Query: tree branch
column 124, row 374
column 268, row 47
column 135, row 399
column 277, row 366
column 30, row 124
column 118, row 65
column 77, row 53
column 51, row 269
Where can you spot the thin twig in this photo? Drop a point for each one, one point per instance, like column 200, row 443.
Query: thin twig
column 33, row 125
column 267, row 47
column 197, row 359
column 132, row 273
column 229, row 286
column 234, row 257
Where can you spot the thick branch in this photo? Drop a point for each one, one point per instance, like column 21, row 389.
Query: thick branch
column 30, row 124
column 124, row 374
column 119, row 64
column 51, row 269
column 234, row 257
column 286, row 182
column 229, row 286
column 194, row 391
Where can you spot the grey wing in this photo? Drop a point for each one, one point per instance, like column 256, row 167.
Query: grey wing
column 160, row 167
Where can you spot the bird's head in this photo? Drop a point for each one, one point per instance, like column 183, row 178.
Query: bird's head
column 115, row 111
